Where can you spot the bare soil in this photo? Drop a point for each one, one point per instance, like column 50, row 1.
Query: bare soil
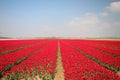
column 59, row 75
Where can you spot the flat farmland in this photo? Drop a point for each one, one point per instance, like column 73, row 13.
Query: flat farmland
column 60, row 59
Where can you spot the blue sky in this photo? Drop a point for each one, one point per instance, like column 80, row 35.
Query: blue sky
column 59, row 18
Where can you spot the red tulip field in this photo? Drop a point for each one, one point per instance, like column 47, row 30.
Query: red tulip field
column 59, row 59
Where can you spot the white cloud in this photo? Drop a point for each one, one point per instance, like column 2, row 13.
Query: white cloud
column 105, row 24
column 87, row 20
column 94, row 21
column 116, row 24
column 114, row 7
column 92, row 25
column 104, row 14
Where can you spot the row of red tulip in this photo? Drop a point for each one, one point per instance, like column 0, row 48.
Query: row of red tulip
column 113, row 51
column 12, row 57
column 106, row 58
column 109, row 46
column 14, row 44
column 79, row 67
column 46, row 57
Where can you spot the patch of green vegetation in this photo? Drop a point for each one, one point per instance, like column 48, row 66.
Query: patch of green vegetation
column 34, row 74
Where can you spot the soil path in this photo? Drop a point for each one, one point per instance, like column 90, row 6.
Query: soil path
column 59, row 75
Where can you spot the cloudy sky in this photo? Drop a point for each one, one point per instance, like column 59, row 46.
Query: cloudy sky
column 60, row 18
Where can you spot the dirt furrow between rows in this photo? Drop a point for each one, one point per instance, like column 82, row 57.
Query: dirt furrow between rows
column 59, row 75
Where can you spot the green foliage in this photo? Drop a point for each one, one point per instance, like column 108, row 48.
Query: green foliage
column 31, row 75
column 1, row 75
column 8, row 67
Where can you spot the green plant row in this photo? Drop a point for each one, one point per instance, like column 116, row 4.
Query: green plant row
column 34, row 74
